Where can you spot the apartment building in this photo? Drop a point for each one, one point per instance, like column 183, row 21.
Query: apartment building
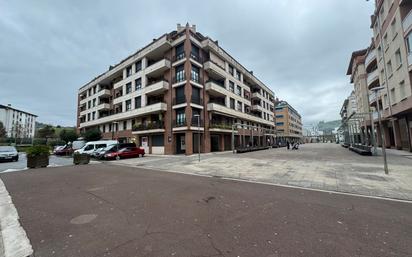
column 288, row 122
column 390, row 66
column 181, row 87
column 17, row 123
column 348, row 109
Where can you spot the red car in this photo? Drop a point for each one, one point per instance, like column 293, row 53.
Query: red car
column 128, row 152
column 65, row 150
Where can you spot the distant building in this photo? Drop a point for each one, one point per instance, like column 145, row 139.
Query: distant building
column 288, row 122
column 17, row 123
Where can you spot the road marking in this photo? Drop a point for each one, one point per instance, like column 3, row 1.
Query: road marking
column 14, row 238
column 269, row 183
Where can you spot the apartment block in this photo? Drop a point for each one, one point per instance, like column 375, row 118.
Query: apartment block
column 17, row 123
column 389, row 65
column 181, row 87
column 288, row 122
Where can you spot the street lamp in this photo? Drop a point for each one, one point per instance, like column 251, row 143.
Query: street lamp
column 114, row 122
column 385, row 163
column 198, row 135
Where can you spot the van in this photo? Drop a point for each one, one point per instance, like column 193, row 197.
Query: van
column 91, row 146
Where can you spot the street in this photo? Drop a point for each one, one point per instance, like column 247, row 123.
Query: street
column 22, row 163
column 107, row 210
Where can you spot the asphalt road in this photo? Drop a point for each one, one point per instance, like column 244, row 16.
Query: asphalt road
column 105, row 210
column 22, row 162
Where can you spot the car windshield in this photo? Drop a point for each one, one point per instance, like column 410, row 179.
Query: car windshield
column 7, row 149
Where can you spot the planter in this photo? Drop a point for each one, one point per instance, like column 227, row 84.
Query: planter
column 81, row 159
column 37, row 161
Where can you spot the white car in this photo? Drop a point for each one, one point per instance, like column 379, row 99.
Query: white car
column 90, row 147
column 8, row 153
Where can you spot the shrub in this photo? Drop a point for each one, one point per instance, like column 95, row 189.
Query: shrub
column 39, row 141
column 92, row 135
column 37, row 150
column 53, row 143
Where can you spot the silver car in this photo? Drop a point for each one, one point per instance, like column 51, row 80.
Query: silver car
column 8, row 153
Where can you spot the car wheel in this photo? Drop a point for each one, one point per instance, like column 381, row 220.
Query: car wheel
column 118, row 157
column 16, row 158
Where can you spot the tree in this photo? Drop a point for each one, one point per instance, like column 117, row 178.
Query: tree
column 3, row 132
column 68, row 135
column 46, row 132
column 92, row 135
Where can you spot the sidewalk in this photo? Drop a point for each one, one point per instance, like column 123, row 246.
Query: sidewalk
column 327, row 167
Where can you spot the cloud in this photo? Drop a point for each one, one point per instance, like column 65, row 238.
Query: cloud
column 299, row 48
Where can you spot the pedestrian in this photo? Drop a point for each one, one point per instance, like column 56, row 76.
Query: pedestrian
column 287, row 145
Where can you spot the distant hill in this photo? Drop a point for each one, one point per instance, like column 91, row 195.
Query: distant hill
column 57, row 128
column 328, row 125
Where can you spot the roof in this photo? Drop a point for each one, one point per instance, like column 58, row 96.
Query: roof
column 353, row 58
column 9, row 107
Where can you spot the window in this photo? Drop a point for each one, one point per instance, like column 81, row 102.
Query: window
column 128, row 88
column 232, row 103
column 94, row 89
column 409, row 43
column 93, row 115
column 180, row 73
column 280, row 123
column 238, row 76
column 180, row 117
column 195, row 74
column 138, row 102
column 104, row 128
column 393, row 96
column 88, row 117
column 128, row 71
column 389, row 67
column 382, row 76
column 379, row 52
column 385, row 41
column 195, row 53
column 89, row 104
column 180, row 52
column 231, row 86
column 238, row 90
column 138, row 65
column 94, row 102
column 385, row 99
column 128, row 105
column 196, row 95
column 124, row 125
column 239, row 106
column 393, row 28
column 138, row 84
column 398, row 58
column 231, row 70
column 279, row 116
column 402, row 90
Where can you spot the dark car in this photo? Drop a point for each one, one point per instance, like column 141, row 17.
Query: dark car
column 8, row 153
column 128, row 152
column 65, row 150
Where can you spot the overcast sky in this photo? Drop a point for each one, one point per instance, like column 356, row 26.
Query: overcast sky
column 299, row 48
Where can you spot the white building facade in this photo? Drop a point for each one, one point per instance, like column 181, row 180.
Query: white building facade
column 17, row 123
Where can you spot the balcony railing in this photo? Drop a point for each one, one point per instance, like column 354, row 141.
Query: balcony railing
column 149, row 126
column 371, row 55
column 197, row 79
column 219, row 83
column 196, row 57
column 220, row 125
column 179, row 79
column 180, row 123
column 151, row 83
column 179, row 100
column 372, row 76
column 197, row 100
column 195, row 122
column 179, row 57
column 407, row 21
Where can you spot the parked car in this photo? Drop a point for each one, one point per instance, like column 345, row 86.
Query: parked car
column 100, row 151
column 8, row 153
column 65, row 150
column 99, row 154
column 91, row 146
column 128, row 152
column 78, row 144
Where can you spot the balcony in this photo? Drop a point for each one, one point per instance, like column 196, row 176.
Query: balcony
column 151, row 127
column 158, row 68
column 197, row 100
column 217, row 108
column 196, row 123
column 103, row 106
column 373, row 79
column 257, row 95
column 179, row 123
column 156, row 87
column 215, row 88
column 216, row 126
column 214, row 69
column 407, row 22
column 257, row 107
column 179, row 100
column 370, row 57
column 178, row 57
column 104, row 92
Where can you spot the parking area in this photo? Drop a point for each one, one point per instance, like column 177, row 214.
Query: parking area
column 319, row 166
column 21, row 164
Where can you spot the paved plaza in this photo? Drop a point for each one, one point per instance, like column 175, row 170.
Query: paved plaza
column 318, row 166
column 105, row 210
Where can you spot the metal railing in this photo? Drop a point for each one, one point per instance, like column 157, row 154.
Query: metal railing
column 180, row 123
column 179, row 100
column 149, row 126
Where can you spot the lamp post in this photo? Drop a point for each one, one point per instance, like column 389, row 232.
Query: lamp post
column 198, row 135
column 385, row 163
